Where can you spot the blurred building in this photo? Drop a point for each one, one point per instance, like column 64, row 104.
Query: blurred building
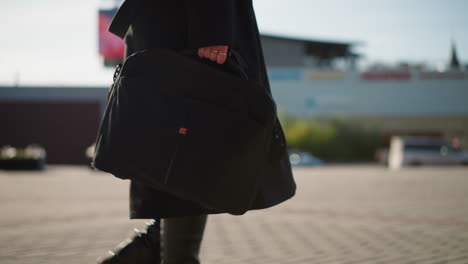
column 319, row 78
column 308, row 77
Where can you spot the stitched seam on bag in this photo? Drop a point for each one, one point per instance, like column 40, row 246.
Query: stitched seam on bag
column 169, row 169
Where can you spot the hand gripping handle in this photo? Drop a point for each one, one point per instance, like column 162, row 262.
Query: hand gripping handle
column 234, row 61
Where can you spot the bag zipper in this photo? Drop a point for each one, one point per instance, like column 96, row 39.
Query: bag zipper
column 118, row 70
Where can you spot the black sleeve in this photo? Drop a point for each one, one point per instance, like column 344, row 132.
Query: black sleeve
column 210, row 22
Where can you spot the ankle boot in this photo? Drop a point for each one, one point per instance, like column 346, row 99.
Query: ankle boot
column 143, row 248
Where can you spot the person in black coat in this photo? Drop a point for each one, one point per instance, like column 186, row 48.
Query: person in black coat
column 212, row 27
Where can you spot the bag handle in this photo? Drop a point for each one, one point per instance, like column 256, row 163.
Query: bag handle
column 234, row 61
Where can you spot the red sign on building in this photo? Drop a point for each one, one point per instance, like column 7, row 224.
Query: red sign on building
column 111, row 47
column 386, row 76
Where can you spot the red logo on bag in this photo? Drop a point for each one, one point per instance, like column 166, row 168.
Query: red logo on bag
column 183, row 130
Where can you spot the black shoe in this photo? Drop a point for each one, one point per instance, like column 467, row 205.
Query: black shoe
column 143, row 248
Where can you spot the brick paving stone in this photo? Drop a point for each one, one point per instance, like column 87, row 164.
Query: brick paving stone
column 341, row 214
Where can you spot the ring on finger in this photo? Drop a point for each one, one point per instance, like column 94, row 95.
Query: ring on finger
column 213, row 55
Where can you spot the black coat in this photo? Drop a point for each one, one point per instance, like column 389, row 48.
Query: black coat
column 180, row 24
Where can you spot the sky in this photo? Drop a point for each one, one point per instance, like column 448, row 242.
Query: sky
column 54, row 42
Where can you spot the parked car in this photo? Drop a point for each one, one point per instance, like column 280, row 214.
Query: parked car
column 427, row 150
column 31, row 157
column 303, row 158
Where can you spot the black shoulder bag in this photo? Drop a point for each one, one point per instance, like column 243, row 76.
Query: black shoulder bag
column 188, row 126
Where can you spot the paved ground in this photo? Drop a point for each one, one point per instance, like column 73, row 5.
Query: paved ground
column 341, row 214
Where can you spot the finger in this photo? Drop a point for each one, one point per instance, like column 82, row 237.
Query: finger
column 222, row 55
column 200, row 52
column 214, row 54
column 221, row 59
column 207, row 52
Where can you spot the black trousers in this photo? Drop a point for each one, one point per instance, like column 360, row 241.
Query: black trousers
column 181, row 239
